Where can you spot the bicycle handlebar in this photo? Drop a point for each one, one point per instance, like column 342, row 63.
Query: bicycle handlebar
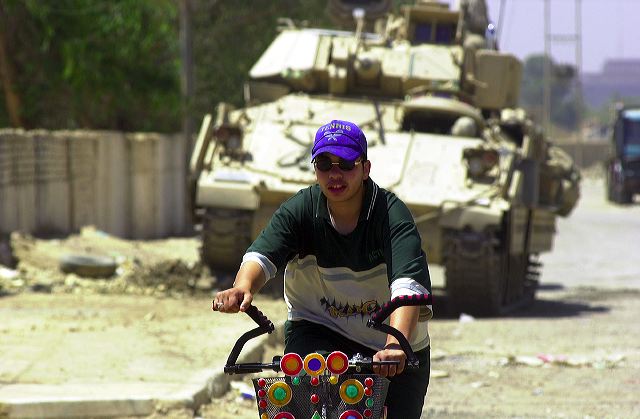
column 376, row 322
column 259, row 318
column 358, row 362
column 403, row 300
column 264, row 326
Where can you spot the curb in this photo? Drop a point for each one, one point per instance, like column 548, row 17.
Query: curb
column 31, row 401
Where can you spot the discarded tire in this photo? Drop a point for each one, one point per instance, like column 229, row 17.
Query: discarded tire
column 88, row 265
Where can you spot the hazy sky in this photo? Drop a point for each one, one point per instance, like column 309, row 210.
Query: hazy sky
column 610, row 29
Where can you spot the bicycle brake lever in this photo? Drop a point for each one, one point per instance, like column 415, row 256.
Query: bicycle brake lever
column 358, row 361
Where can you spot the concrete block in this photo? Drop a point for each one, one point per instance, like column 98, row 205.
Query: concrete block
column 82, row 157
column 52, row 183
column 112, row 184
column 18, row 198
column 128, row 185
column 144, row 193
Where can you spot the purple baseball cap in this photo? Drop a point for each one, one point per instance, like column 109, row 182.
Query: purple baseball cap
column 340, row 138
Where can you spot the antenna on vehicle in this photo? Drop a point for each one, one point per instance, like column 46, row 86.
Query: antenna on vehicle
column 358, row 16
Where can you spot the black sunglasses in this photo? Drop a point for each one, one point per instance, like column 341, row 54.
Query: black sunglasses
column 324, row 165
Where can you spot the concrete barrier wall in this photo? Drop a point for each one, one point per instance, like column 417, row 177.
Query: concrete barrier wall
column 17, row 183
column 586, row 154
column 128, row 185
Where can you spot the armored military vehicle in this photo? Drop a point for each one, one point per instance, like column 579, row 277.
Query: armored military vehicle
column 623, row 166
column 438, row 103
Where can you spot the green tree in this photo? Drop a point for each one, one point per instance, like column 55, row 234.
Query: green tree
column 93, row 64
column 563, row 95
column 115, row 64
column 229, row 37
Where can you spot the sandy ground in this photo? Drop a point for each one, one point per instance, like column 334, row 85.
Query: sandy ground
column 574, row 354
column 85, row 338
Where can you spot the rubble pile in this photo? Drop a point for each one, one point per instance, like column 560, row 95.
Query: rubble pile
column 159, row 268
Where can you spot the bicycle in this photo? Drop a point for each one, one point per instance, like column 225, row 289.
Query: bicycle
column 319, row 387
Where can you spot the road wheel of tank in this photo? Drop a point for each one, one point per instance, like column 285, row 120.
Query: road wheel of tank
column 532, row 278
column 226, row 235
column 475, row 279
column 521, row 281
column 483, row 280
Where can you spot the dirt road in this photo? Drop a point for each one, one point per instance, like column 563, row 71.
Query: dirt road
column 574, row 354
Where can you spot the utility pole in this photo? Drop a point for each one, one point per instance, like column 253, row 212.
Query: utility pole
column 578, row 85
column 186, row 73
column 186, row 86
column 546, row 71
column 547, row 76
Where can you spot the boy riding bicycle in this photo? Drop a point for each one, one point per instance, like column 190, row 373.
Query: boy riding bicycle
column 348, row 246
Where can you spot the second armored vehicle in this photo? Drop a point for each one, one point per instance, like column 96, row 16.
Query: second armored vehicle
column 623, row 167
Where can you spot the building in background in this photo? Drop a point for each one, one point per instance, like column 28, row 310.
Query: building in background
column 619, row 78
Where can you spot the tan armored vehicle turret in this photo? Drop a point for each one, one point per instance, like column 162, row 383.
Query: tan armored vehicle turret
column 445, row 134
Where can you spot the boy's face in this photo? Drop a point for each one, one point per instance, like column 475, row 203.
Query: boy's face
column 340, row 184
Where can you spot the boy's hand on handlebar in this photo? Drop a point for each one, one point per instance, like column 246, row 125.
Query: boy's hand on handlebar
column 391, row 352
column 249, row 279
column 232, row 300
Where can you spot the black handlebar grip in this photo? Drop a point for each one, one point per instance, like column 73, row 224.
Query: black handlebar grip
column 243, row 369
column 260, row 318
column 400, row 301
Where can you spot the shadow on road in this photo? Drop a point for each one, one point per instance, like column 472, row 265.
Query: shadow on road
column 556, row 308
column 540, row 308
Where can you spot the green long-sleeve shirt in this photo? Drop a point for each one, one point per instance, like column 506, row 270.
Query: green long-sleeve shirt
column 339, row 280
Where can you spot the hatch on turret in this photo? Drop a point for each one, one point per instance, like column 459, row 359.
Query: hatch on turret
column 341, row 12
column 431, row 22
